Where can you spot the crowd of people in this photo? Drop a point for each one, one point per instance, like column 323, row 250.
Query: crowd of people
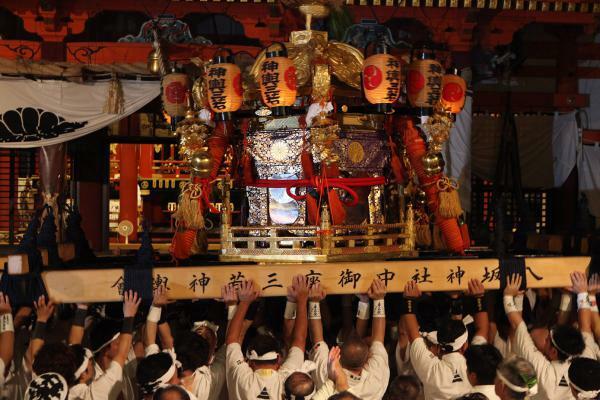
column 511, row 344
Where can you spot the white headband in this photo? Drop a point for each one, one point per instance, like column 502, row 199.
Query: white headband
column 107, row 343
column 165, row 378
column 519, row 389
column 584, row 394
column 162, row 381
column 307, row 367
column 253, row 355
column 456, row 344
column 556, row 345
column 87, row 355
column 202, row 324
column 468, row 319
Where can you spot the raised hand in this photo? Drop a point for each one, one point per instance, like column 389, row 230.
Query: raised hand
column 594, row 284
column 4, row 304
column 44, row 310
column 377, row 290
column 363, row 297
column 248, row 292
column 579, row 282
column 475, row 288
column 411, row 290
column 229, row 295
column 316, row 293
column 131, row 302
column 291, row 294
column 300, row 287
column 160, row 296
column 334, row 368
column 513, row 285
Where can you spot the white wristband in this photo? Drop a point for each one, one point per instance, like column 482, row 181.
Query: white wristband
column 290, row 310
column 231, row 312
column 509, row 304
column 363, row 311
column 6, row 323
column 154, row 314
column 565, row 302
column 519, row 302
column 379, row 308
column 583, row 301
column 314, row 310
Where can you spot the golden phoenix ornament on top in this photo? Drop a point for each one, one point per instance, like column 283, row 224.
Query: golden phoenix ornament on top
column 311, row 49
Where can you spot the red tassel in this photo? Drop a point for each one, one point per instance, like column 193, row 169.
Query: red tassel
column 312, row 209
column 248, row 169
column 181, row 246
column 306, row 161
column 336, row 208
column 451, row 233
column 466, row 237
column 415, row 145
column 216, row 146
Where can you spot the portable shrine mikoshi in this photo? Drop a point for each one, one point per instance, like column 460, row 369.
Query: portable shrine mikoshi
column 316, row 157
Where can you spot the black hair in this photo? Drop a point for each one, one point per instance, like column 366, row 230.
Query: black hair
column 345, row 395
column 79, row 354
column 57, row 358
column 354, row 352
column 103, row 331
column 159, row 394
column 585, row 374
column 449, row 331
column 405, row 387
column 151, row 368
column 298, row 384
column 427, row 314
column 192, row 350
column 569, row 341
column 483, row 361
column 263, row 344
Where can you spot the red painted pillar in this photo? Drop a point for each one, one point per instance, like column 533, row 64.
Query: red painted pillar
column 128, row 170
column 146, row 160
column 90, row 165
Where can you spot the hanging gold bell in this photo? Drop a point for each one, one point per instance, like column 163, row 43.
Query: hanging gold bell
column 201, row 163
column 433, row 163
column 154, row 61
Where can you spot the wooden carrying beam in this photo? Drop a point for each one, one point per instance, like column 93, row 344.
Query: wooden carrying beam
column 105, row 285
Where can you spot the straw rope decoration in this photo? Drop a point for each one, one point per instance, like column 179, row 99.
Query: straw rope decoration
column 450, row 206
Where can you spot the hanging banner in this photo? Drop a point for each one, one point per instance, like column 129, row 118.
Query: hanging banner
column 89, row 286
column 37, row 113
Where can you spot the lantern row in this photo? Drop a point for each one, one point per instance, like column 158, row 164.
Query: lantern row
column 426, row 84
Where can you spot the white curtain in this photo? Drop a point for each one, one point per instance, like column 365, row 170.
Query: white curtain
column 588, row 162
column 44, row 112
column 457, row 153
column 564, row 146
